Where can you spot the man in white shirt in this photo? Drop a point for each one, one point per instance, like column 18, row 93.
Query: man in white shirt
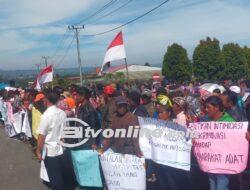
column 49, row 130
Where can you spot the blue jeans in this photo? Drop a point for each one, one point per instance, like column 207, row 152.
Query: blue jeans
column 218, row 181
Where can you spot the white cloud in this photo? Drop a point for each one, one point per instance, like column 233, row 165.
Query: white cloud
column 145, row 40
column 11, row 41
column 40, row 12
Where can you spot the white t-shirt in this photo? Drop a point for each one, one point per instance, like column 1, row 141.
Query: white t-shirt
column 51, row 126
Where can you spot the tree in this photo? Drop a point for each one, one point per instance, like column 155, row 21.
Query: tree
column 147, row 64
column 246, row 51
column 235, row 61
column 60, row 81
column 208, row 62
column 119, row 76
column 176, row 65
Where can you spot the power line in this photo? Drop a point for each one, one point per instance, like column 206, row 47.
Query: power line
column 115, row 10
column 97, row 12
column 66, row 53
column 61, row 42
column 131, row 21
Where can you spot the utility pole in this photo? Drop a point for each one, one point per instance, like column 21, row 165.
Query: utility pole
column 77, row 30
column 38, row 65
column 46, row 60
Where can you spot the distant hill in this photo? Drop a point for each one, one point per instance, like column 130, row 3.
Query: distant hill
column 18, row 74
column 14, row 74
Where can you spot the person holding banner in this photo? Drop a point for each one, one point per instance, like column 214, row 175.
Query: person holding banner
column 215, row 110
column 169, row 177
column 122, row 119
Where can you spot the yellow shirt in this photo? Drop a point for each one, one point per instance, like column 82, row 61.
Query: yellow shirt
column 36, row 117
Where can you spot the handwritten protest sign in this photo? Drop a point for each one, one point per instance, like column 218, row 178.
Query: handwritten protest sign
column 221, row 147
column 165, row 143
column 123, row 171
column 10, row 130
column 20, row 124
column 86, row 167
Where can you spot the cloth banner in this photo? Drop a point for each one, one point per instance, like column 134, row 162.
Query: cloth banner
column 123, row 171
column 87, row 168
column 26, row 129
column 165, row 143
column 10, row 130
column 221, row 147
column 21, row 123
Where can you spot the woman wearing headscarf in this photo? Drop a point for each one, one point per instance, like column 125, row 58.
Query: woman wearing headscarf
column 179, row 108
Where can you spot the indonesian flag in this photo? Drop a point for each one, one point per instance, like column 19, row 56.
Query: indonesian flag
column 115, row 51
column 46, row 75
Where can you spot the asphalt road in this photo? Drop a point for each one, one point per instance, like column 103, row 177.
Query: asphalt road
column 18, row 167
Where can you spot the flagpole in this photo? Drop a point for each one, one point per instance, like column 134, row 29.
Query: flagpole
column 126, row 68
column 52, row 85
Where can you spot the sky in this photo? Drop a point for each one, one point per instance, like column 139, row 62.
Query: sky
column 31, row 29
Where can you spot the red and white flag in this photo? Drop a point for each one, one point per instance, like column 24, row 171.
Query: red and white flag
column 115, row 51
column 46, row 75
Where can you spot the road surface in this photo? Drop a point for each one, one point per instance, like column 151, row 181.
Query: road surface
column 18, row 167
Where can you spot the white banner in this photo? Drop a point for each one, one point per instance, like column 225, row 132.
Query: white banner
column 123, row 172
column 165, row 143
column 21, row 123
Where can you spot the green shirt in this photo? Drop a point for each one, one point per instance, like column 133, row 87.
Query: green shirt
column 226, row 117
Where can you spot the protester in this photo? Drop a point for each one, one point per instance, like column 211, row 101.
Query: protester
column 215, row 111
column 136, row 107
column 179, row 107
column 229, row 100
column 49, row 135
column 86, row 112
column 164, row 108
column 147, row 101
column 122, row 119
column 216, row 92
column 38, row 109
column 109, row 108
column 118, row 106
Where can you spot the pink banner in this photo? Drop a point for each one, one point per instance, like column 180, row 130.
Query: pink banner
column 221, row 147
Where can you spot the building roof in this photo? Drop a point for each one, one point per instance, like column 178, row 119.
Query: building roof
column 131, row 68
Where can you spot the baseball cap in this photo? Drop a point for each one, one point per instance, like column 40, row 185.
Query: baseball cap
column 120, row 100
column 109, row 90
column 39, row 97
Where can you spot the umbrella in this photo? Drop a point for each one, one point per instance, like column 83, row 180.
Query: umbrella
column 210, row 87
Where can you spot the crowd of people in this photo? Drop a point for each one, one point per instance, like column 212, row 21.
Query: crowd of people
column 117, row 106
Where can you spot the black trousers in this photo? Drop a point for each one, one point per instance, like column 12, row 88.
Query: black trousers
column 169, row 178
column 55, row 173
